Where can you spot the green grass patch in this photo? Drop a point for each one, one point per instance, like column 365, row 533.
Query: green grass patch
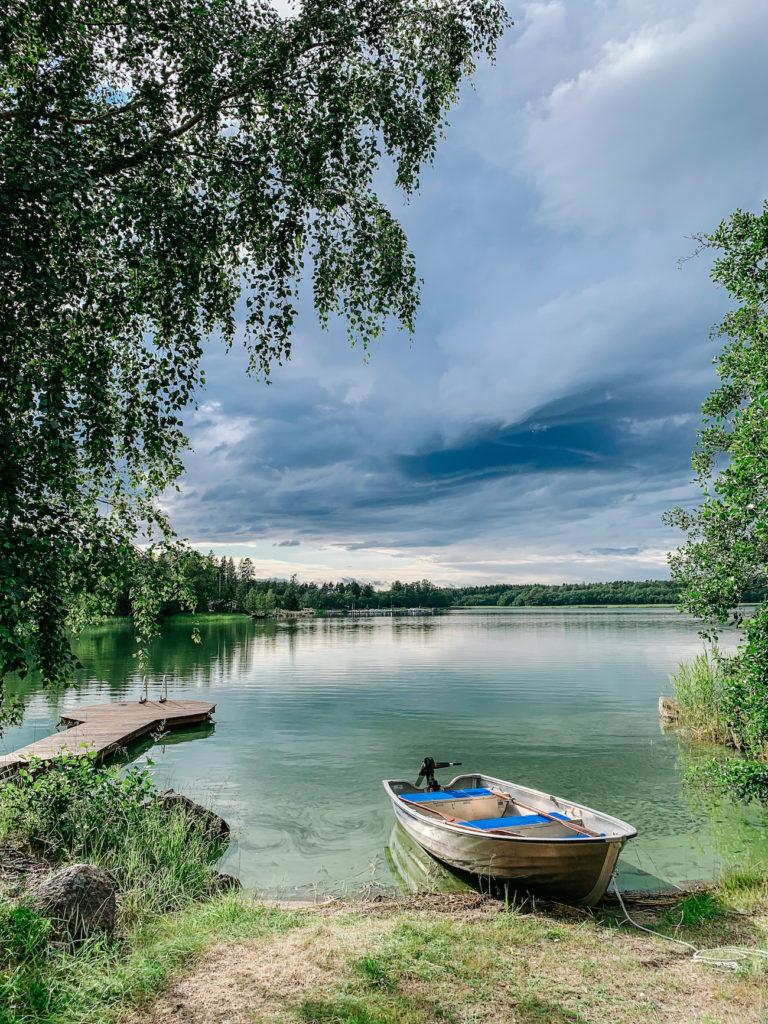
column 353, row 1010
column 376, row 970
column 50, row 985
column 697, row 909
column 700, row 691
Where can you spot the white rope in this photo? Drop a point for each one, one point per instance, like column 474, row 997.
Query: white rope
column 726, row 958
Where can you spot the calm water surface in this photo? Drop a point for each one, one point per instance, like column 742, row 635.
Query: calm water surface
column 312, row 715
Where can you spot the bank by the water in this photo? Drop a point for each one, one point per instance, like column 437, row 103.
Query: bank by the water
column 416, row 961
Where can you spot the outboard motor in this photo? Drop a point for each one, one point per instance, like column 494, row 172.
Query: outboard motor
column 427, row 771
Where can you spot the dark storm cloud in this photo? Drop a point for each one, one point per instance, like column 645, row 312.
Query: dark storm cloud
column 550, row 397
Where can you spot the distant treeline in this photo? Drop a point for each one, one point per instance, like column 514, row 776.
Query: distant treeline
column 221, row 585
column 218, row 584
column 616, row 592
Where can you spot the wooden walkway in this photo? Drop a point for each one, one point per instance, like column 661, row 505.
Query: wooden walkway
column 103, row 728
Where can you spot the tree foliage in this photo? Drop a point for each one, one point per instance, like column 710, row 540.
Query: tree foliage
column 726, row 550
column 162, row 162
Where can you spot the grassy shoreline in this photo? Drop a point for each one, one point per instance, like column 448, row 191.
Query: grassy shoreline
column 419, row 960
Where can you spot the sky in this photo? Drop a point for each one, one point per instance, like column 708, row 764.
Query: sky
column 542, row 418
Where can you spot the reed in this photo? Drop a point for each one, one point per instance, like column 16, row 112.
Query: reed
column 700, row 688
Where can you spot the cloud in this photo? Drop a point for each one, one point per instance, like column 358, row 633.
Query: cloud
column 614, row 551
column 543, row 418
column 660, row 123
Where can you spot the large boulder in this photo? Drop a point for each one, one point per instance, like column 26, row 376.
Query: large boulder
column 212, row 824
column 78, row 901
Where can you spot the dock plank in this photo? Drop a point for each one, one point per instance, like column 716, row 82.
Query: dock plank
column 103, row 728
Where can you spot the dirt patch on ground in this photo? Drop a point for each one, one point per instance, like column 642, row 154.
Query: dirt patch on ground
column 517, row 970
column 254, row 981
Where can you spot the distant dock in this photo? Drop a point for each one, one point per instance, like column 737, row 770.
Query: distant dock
column 370, row 613
column 101, row 729
column 281, row 615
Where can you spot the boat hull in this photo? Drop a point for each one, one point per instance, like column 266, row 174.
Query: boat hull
column 578, row 870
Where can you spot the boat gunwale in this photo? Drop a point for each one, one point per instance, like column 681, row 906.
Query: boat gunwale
column 628, row 831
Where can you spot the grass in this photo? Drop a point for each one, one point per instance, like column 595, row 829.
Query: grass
column 696, row 909
column 75, row 810
column 161, row 860
column 412, row 964
column 396, row 964
column 44, row 984
column 699, row 691
column 200, row 618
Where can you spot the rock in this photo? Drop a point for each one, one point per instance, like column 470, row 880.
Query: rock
column 78, row 900
column 669, row 710
column 19, row 869
column 212, row 823
column 226, row 883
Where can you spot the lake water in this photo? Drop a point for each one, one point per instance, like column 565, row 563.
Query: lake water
column 312, row 715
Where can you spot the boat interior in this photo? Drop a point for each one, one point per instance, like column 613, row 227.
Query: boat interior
column 490, row 810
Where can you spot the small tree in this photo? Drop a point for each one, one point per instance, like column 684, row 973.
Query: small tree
column 290, row 599
column 727, row 535
column 254, row 601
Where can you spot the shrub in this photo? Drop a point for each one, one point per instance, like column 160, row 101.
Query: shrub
column 739, row 777
column 75, row 810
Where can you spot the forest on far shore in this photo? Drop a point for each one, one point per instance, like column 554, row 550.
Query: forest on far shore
column 222, row 585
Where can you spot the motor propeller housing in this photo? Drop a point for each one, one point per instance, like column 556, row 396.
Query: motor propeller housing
column 427, row 771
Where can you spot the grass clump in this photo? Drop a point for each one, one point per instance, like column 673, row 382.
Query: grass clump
column 376, row 971
column 25, row 956
column 350, row 1010
column 694, row 910
column 700, row 688
column 72, row 809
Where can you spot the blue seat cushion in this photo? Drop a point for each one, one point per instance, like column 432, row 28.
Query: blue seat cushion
column 444, row 794
column 519, row 819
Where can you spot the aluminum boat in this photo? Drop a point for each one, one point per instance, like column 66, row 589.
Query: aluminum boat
column 500, row 830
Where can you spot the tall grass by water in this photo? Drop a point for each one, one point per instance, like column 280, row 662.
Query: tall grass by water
column 161, row 859
column 75, row 810
column 700, row 691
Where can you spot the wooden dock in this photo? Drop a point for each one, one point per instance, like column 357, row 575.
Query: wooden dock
column 101, row 729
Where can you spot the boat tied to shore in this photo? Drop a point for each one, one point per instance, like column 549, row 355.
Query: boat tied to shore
column 503, row 831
